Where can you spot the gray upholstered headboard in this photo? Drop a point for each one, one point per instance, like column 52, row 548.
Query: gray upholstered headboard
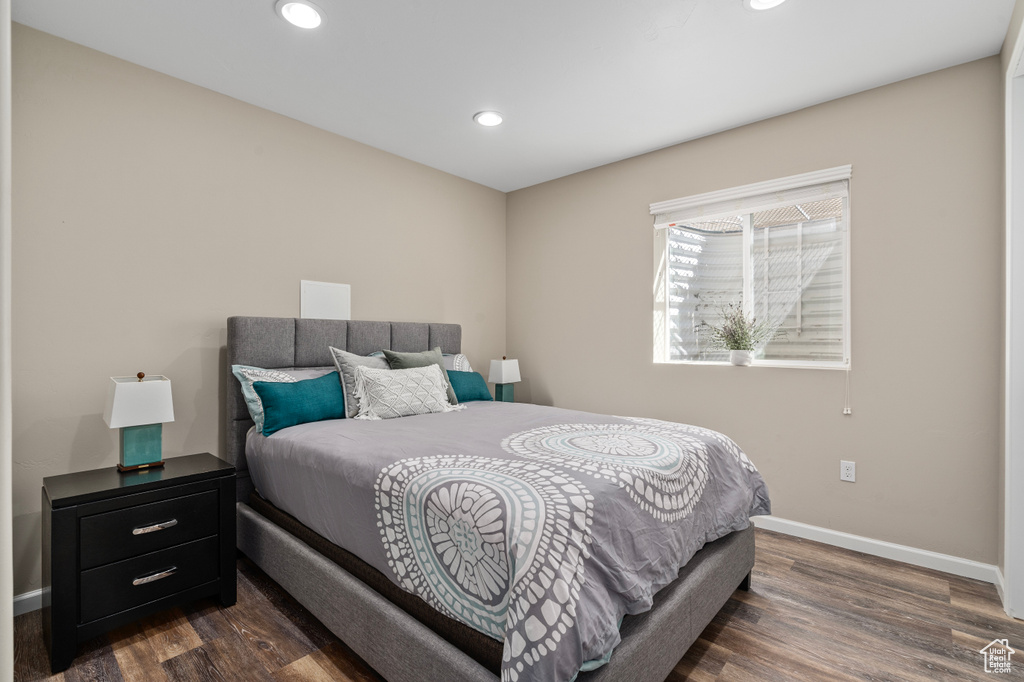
column 288, row 342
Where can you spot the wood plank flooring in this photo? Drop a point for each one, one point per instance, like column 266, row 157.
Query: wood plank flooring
column 814, row 612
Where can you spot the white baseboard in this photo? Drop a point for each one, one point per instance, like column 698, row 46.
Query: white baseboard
column 29, row 601
column 887, row 550
column 1001, row 589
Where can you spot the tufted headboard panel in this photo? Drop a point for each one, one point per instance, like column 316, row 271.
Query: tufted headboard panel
column 289, row 342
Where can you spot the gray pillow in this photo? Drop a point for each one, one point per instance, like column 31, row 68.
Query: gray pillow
column 452, row 361
column 346, row 363
column 398, row 360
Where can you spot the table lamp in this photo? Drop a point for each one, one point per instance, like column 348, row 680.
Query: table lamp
column 138, row 406
column 504, row 373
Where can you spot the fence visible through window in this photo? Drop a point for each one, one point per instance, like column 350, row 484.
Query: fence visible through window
column 783, row 257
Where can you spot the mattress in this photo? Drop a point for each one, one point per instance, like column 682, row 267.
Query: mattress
column 537, row 526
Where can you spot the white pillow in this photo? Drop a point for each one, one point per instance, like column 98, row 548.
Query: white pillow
column 390, row 393
column 457, row 363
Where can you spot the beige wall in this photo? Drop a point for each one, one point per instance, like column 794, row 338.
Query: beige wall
column 926, row 232
column 148, row 210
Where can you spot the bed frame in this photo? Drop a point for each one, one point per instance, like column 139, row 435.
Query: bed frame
column 391, row 641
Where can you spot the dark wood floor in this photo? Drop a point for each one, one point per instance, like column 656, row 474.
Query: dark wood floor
column 813, row 613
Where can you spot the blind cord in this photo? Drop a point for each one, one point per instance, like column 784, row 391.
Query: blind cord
column 846, row 406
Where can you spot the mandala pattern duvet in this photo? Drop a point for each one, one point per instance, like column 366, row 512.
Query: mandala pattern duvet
column 537, row 526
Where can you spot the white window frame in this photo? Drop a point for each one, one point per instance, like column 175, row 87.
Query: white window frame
column 752, row 197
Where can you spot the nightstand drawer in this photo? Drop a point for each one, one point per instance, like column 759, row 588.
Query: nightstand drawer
column 110, row 589
column 129, row 532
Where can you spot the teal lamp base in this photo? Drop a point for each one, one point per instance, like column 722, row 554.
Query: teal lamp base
column 503, row 393
column 141, row 447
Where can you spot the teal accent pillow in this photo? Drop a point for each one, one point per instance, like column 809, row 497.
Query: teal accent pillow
column 246, row 375
column 469, row 386
column 299, row 402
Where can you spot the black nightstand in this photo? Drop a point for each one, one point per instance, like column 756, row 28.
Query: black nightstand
column 120, row 546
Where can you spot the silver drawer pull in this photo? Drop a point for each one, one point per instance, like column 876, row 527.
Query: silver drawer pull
column 156, row 527
column 155, row 576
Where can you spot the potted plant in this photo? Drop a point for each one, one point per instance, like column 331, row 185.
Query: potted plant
column 739, row 334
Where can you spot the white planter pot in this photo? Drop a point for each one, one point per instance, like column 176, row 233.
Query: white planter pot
column 741, row 358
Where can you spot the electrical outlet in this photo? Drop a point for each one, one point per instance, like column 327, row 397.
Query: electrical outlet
column 847, row 471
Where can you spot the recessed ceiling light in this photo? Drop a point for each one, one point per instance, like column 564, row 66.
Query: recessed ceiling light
column 488, row 118
column 762, row 4
column 303, row 14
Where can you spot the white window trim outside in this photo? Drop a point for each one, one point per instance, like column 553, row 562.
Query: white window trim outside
column 729, row 202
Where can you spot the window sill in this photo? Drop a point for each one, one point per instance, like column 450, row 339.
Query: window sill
column 782, row 364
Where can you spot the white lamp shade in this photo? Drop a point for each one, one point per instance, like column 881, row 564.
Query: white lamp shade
column 131, row 402
column 504, row 372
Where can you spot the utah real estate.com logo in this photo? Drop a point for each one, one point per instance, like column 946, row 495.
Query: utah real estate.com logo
column 997, row 656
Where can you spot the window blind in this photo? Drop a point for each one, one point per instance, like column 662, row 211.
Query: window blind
column 797, row 189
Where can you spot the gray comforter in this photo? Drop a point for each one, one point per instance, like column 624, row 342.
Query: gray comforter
column 538, row 526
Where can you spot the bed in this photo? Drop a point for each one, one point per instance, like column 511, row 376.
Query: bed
column 392, row 628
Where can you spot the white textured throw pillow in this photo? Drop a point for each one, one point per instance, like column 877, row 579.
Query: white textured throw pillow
column 389, row 393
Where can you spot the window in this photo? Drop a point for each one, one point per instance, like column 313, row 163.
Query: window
column 779, row 249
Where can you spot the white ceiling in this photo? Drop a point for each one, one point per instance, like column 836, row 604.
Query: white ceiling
column 581, row 82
